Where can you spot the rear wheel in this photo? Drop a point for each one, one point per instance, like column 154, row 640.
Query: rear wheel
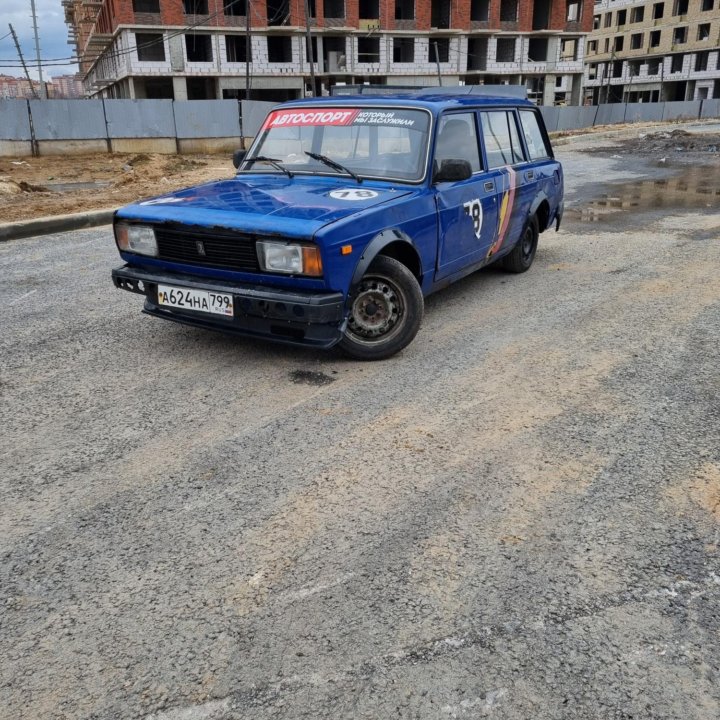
column 386, row 311
column 521, row 257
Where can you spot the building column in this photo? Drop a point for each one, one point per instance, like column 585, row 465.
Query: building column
column 131, row 88
column 549, row 91
column 179, row 88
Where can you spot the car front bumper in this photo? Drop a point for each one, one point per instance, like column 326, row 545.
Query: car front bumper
column 314, row 319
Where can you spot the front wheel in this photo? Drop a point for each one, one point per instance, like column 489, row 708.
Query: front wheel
column 386, row 311
column 521, row 257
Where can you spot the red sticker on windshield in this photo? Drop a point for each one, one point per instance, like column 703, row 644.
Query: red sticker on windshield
column 295, row 118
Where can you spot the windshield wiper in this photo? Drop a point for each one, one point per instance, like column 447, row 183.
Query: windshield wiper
column 334, row 164
column 275, row 163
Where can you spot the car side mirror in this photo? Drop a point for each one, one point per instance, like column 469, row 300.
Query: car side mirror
column 238, row 157
column 453, row 171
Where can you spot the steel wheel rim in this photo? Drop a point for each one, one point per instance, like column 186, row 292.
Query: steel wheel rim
column 377, row 310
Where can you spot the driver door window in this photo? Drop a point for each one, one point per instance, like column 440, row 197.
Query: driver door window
column 457, row 140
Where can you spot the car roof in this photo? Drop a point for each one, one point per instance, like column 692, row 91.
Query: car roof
column 433, row 99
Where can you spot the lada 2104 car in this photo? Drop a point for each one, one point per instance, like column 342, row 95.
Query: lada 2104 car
column 345, row 213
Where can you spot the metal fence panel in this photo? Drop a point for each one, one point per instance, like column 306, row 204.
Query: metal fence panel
column 253, row 115
column 14, row 120
column 68, row 119
column 644, row 112
column 207, row 118
column 682, row 110
column 710, row 109
column 551, row 116
column 140, row 118
column 574, row 118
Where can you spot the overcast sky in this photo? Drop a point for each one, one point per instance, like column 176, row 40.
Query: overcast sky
column 53, row 37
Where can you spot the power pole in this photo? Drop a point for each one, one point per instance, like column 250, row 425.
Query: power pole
column 437, row 63
column 22, row 60
column 43, row 89
column 308, row 41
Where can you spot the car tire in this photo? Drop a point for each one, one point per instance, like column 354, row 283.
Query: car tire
column 521, row 257
column 385, row 312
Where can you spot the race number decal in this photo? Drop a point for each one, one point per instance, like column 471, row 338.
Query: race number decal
column 474, row 210
column 353, row 194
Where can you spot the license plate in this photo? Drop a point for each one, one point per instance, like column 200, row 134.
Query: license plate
column 199, row 300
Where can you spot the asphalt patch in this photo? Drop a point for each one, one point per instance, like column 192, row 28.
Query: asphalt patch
column 308, row 377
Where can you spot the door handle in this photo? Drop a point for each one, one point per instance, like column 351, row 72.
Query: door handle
column 489, row 186
column 529, row 175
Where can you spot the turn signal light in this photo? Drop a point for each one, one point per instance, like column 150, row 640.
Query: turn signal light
column 312, row 263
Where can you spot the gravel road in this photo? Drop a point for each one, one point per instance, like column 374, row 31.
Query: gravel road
column 518, row 517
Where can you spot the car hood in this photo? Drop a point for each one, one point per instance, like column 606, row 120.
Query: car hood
column 292, row 207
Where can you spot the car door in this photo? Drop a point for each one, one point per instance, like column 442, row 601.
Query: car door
column 515, row 179
column 467, row 209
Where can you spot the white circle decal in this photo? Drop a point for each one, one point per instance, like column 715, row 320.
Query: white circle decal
column 353, row 194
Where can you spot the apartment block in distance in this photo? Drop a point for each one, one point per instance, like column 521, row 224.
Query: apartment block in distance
column 653, row 51
column 197, row 49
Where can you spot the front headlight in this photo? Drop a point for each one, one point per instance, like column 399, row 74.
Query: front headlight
column 289, row 259
column 138, row 239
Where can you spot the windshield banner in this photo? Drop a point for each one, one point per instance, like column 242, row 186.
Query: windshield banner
column 340, row 116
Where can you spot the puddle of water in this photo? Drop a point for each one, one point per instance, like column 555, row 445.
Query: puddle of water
column 698, row 187
column 62, row 187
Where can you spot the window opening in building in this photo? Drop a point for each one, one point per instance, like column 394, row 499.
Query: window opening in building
column 592, row 46
column 440, row 14
column 636, row 41
column 703, row 32
column 334, row 8
column 618, row 44
column 480, row 10
column 477, row 53
column 238, row 9
column 278, row 12
column 676, row 64
column 146, row 6
column 313, row 44
column 596, row 22
column 658, row 10
column 608, row 19
column 195, row 7
column 617, row 68
column 568, row 49
column 159, row 89
column 558, row 81
column 634, row 68
column 311, row 8
column 235, row 46
column 706, row 5
column 654, row 38
column 200, row 88
column 369, row 9
column 403, row 50
column 621, row 17
column 505, row 51
column 653, row 67
column 368, row 50
column 199, row 48
column 680, row 35
column 443, row 50
column 150, row 47
column 334, row 50
column 573, row 11
column 681, row 7
column 541, row 15
column 279, row 48
column 607, row 44
column 537, row 49
column 508, row 10
column 404, row 9
column 637, row 14
column 701, row 61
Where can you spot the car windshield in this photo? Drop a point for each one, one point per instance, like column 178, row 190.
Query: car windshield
column 372, row 142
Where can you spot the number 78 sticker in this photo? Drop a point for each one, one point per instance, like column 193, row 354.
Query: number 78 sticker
column 473, row 209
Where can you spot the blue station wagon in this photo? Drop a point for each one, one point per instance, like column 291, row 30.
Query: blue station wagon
column 346, row 212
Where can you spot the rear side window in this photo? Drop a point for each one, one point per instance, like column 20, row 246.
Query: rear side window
column 536, row 145
column 457, row 140
column 502, row 141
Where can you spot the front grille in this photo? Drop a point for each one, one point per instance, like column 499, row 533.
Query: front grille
column 222, row 248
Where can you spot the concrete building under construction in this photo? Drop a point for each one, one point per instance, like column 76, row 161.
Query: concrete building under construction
column 200, row 49
column 653, row 51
